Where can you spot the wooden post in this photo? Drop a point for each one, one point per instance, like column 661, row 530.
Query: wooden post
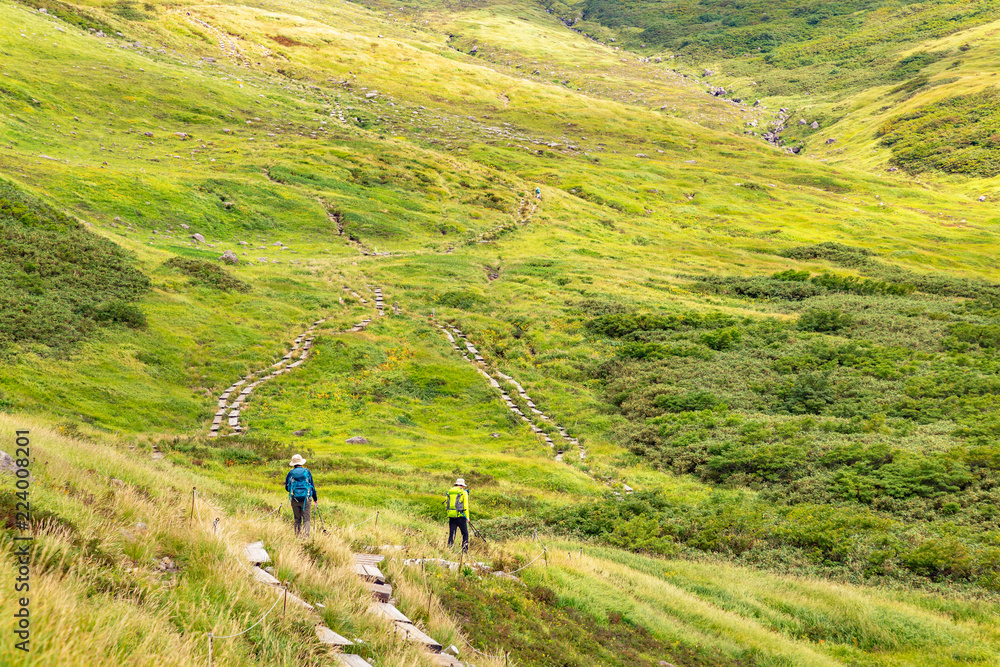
column 209, row 649
column 194, row 490
column 428, row 606
column 284, row 606
column 376, row 520
column 545, row 554
column 461, row 562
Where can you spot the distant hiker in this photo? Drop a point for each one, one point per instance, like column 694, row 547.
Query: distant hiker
column 301, row 490
column 538, row 193
column 458, row 513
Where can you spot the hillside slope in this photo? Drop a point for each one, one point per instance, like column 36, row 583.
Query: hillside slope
column 724, row 404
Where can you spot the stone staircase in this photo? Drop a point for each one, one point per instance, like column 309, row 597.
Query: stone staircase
column 472, row 355
column 234, row 398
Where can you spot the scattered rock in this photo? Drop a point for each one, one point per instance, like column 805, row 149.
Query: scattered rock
column 229, row 257
column 198, row 237
column 982, row 197
column 181, row 135
column 117, row 482
column 300, row 432
column 708, row 72
column 7, row 462
column 814, row 125
column 641, row 155
column 357, row 440
column 147, row 134
column 183, row 226
column 830, row 141
column 897, row 169
column 802, row 121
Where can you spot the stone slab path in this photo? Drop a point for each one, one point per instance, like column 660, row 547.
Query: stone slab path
column 366, row 566
column 470, row 353
column 234, row 398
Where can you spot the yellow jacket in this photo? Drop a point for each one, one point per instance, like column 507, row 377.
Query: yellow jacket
column 458, row 502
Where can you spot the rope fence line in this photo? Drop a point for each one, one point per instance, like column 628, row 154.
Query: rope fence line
column 373, row 516
column 212, row 637
column 541, row 555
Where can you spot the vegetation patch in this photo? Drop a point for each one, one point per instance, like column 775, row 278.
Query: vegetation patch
column 208, row 274
column 58, row 281
column 959, row 135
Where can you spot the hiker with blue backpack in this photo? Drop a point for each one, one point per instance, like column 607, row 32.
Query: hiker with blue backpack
column 301, row 490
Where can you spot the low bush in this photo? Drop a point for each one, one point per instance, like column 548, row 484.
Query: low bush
column 58, row 281
column 208, row 274
column 822, row 320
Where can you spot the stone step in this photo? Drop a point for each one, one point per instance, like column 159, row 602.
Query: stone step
column 369, row 573
column 264, row 577
column 294, row 600
column 445, row 660
column 331, row 638
column 351, row 660
column 413, row 634
column 255, row 553
column 369, row 559
column 390, row 610
column 381, row 592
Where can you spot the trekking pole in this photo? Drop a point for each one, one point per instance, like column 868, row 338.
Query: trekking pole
column 477, row 533
column 321, row 521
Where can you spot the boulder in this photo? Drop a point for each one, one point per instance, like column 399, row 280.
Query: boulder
column 357, row 440
column 229, row 257
column 198, row 237
column 7, row 463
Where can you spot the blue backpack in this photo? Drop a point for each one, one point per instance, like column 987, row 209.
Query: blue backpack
column 299, row 485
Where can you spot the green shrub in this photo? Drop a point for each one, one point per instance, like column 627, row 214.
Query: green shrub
column 461, row 299
column 824, row 320
column 208, row 274
column 695, row 400
column 946, row 557
column 808, row 393
column 778, row 289
column 791, row 274
column 838, row 253
column 617, row 325
column 723, row 339
column 57, row 281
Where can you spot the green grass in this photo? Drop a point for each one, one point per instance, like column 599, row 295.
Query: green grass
column 801, row 319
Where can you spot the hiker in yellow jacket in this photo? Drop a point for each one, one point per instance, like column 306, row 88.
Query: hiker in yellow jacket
column 458, row 513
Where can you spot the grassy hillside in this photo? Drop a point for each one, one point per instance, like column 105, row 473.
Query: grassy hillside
column 791, row 363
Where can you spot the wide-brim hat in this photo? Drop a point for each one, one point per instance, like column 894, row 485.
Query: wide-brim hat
column 297, row 461
column 460, row 482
